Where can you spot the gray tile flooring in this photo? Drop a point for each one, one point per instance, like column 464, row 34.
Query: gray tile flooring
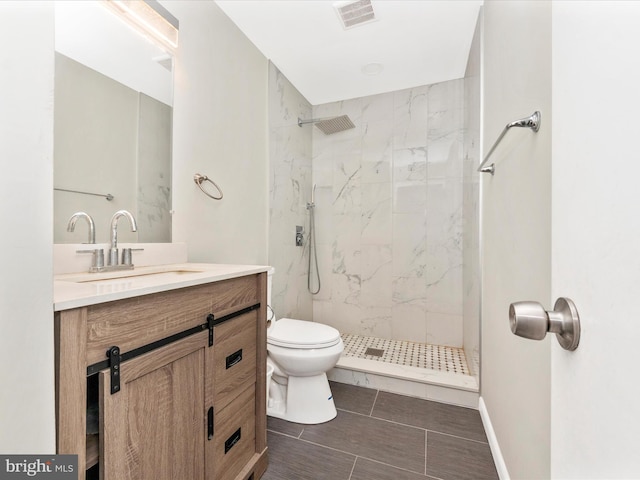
column 381, row 436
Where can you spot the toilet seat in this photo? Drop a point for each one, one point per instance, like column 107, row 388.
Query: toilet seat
column 301, row 334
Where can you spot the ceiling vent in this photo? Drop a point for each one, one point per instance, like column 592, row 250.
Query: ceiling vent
column 355, row 13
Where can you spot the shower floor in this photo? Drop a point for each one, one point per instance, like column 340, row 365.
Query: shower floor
column 411, row 354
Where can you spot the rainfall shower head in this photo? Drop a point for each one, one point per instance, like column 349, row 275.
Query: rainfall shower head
column 331, row 125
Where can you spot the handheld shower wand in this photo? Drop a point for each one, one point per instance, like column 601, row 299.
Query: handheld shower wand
column 312, row 242
column 313, row 197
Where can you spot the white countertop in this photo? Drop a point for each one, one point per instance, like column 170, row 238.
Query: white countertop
column 73, row 290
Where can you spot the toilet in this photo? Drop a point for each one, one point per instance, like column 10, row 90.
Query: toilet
column 301, row 353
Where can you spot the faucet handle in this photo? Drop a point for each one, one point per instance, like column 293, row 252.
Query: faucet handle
column 127, row 257
column 97, row 262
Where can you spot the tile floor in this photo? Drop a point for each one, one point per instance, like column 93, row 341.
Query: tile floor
column 381, row 436
column 421, row 355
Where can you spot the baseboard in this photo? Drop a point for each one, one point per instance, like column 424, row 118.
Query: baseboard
column 498, row 459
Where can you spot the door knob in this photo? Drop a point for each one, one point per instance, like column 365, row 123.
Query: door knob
column 531, row 320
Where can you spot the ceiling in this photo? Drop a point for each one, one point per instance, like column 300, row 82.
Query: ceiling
column 417, row 42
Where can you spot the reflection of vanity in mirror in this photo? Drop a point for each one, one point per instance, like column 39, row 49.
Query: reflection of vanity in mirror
column 112, row 126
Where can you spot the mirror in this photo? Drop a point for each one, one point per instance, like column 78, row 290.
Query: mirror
column 112, row 126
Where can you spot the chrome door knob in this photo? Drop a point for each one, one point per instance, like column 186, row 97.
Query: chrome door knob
column 531, row 320
column 528, row 320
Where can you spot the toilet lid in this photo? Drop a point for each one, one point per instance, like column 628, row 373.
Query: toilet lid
column 291, row 333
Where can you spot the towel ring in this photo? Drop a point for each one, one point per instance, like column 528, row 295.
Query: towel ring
column 198, row 179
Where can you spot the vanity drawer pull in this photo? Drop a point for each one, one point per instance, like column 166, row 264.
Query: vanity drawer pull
column 210, row 430
column 233, row 359
column 232, row 440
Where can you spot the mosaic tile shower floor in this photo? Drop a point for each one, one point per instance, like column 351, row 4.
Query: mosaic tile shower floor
column 421, row 355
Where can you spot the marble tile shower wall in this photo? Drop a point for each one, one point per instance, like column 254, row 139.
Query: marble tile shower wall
column 289, row 191
column 389, row 215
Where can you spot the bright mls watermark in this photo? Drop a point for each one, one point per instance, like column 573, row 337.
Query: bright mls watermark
column 49, row 467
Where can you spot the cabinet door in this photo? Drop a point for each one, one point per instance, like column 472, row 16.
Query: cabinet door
column 155, row 426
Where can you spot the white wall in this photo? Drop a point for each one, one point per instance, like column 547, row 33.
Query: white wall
column 516, row 238
column 596, row 231
column 220, row 130
column 27, row 422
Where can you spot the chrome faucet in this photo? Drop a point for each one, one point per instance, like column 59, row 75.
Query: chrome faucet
column 71, row 226
column 113, row 250
column 97, row 261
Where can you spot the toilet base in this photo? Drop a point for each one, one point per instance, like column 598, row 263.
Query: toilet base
column 305, row 400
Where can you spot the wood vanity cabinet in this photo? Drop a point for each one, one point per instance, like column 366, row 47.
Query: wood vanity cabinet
column 180, row 381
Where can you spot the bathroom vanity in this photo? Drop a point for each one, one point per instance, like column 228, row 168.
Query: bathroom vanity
column 171, row 362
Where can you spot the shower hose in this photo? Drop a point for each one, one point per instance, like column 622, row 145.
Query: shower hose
column 312, row 246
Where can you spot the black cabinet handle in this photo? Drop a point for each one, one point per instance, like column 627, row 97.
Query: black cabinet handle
column 234, row 359
column 210, row 423
column 232, row 440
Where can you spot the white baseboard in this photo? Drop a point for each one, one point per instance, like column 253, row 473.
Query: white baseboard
column 498, row 459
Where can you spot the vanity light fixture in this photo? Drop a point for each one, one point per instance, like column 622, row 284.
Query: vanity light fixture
column 148, row 18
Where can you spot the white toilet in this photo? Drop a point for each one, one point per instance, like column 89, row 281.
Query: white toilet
column 301, row 353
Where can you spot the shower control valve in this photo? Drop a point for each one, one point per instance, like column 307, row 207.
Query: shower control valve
column 299, row 236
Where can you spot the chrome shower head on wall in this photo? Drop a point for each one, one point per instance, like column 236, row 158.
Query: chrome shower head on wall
column 331, row 125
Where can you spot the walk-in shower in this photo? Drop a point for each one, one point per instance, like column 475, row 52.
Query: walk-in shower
column 393, row 209
column 392, row 234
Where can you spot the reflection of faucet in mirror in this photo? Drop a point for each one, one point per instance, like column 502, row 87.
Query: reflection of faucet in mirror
column 71, row 226
column 113, row 250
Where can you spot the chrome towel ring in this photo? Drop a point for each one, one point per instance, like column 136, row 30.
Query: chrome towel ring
column 198, row 179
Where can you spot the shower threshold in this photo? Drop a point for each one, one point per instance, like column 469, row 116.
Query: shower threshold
column 433, row 372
